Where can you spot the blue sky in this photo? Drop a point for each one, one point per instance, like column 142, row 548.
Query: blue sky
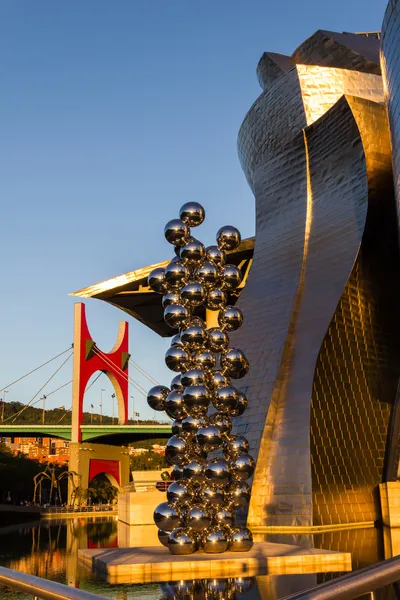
column 112, row 115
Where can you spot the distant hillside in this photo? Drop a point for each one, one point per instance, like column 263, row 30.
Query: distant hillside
column 51, row 417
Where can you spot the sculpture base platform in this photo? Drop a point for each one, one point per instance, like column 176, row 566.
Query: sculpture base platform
column 156, row 564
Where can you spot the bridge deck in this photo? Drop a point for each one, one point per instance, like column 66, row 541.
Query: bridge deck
column 89, row 432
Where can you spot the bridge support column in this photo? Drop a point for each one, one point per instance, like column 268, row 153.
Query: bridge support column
column 89, row 460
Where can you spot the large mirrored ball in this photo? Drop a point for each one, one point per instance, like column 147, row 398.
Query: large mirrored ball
column 241, row 540
column 175, row 315
column 241, row 406
column 179, row 492
column 176, row 275
column 226, row 399
column 191, row 424
column 193, row 253
column 205, row 360
column 231, row 277
column 157, row 396
column 193, row 377
column 196, row 399
column 163, row 537
column 217, row 339
column 176, row 385
column 198, row 518
column 175, row 450
column 195, row 322
column 219, row 380
column 166, row 517
column 243, row 467
column 235, row 363
column 194, row 338
column 192, row 213
column 194, row 470
column 238, row 493
column 209, row 438
column 182, row 541
column 193, row 294
column 171, row 298
column 224, row 516
column 177, row 428
column 228, row 238
column 176, row 232
column 176, row 341
column 230, row 318
column 215, row 255
column 215, row 540
column 218, row 472
column 176, row 473
column 216, row 299
column 207, row 274
column 177, row 359
column 237, row 444
column 157, row 281
column 212, row 495
column 175, row 405
column 221, row 421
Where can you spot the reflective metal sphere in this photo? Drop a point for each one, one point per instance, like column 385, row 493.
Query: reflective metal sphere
column 175, row 406
column 237, row 444
column 182, row 541
column 176, row 341
column 235, row 363
column 196, row 399
column 176, row 232
column 157, row 396
column 217, row 339
column 179, row 492
column 231, row 277
column 177, row 359
column 224, row 516
column 177, row 428
column 243, row 467
column 212, row 495
column 241, row 540
column 166, row 517
column 205, row 360
column 176, row 274
column 176, row 385
column 191, row 424
column 193, row 294
column 219, row 380
column 215, row 255
column 175, row 315
column 207, row 274
column 215, row 540
column 193, row 253
column 194, row 470
column 177, row 473
column 209, row 438
column 241, row 407
column 193, row 377
column 194, row 338
column 196, row 322
column 175, row 450
column 163, row 537
column 216, row 299
column 217, row 471
column 192, row 213
column 171, row 298
column 226, row 399
column 165, row 476
column 221, row 421
column 228, row 238
column 230, row 318
column 238, row 492
column 156, row 280
column 198, row 518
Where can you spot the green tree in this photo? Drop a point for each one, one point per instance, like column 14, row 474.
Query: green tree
column 101, row 490
column 148, row 461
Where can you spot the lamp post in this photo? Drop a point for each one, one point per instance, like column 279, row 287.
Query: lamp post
column 44, row 407
column 2, row 405
column 91, row 414
column 113, row 398
column 133, row 410
column 101, row 405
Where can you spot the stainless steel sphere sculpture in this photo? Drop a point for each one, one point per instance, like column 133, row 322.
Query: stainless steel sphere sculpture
column 210, row 465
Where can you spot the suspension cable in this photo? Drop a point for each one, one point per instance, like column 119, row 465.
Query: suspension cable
column 120, row 372
column 38, row 392
column 33, row 370
column 87, row 389
column 59, row 388
column 143, row 372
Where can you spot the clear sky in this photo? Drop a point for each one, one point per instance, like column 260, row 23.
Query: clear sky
column 113, row 113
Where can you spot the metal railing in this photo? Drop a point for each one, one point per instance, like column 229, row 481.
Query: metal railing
column 42, row 589
column 80, row 509
column 355, row 584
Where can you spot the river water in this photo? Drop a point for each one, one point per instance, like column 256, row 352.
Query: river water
column 49, row 549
